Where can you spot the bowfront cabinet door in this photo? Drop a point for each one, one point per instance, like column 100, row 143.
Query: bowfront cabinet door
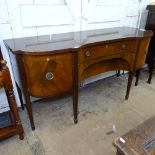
column 48, row 75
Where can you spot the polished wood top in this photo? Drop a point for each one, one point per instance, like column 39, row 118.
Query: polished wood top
column 72, row 40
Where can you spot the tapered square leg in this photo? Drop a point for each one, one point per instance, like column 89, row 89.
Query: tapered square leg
column 119, row 153
column 21, row 136
column 20, row 96
column 29, row 110
column 118, row 73
column 151, row 66
column 75, row 88
column 137, row 77
column 130, row 78
column 75, row 106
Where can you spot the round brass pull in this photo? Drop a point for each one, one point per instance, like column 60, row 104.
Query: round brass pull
column 87, row 53
column 49, row 75
column 124, row 46
column 106, row 46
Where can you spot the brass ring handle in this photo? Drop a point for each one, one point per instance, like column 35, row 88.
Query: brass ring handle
column 106, row 46
column 49, row 75
column 124, row 46
column 87, row 53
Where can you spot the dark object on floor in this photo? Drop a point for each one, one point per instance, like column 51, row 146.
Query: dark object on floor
column 150, row 25
column 15, row 127
column 5, row 119
column 138, row 141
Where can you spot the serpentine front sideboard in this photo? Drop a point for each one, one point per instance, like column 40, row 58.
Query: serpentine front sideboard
column 54, row 64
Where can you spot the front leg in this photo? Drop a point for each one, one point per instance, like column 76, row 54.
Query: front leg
column 119, row 153
column 20, row 96
column 151, row 66
column 118, row 73
column 137, row 77
column 75, row 106
column 130, row 78
column 28, row 105
column 75, row 87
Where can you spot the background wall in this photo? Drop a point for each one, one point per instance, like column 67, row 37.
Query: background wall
column 21, row 18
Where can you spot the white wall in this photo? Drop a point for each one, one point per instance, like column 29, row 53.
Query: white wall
column 20, row 18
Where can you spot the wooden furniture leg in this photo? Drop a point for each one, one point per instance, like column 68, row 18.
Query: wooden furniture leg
column 7, row 96
column 130, row 78
column 20, row 96
column 29, row 109
column 75, row 88
column 26, row 95
column 75, row 106
column 118, row 73
column 137, row 77
column 151, row 65
column 14, row 110
column 16, row 126
column 118, row 153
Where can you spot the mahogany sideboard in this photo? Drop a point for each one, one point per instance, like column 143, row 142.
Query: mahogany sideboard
column 55, row 64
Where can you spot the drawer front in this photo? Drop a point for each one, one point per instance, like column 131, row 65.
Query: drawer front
column 98, row 51
column 48, row 75
column 117, row 62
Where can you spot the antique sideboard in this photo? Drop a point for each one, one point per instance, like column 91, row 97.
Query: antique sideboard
column 56, row 64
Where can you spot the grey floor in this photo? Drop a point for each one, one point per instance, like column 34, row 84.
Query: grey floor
column 101, row 105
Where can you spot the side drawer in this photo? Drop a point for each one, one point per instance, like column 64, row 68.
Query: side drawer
column 48, row 75
column 98, row 51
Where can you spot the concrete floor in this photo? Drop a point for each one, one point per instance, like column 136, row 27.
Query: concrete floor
column 101, row 105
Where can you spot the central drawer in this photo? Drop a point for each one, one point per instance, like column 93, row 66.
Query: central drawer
column 109, row 49
column 48, row 75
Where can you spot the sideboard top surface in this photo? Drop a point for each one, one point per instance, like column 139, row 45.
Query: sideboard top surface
column 72, row 40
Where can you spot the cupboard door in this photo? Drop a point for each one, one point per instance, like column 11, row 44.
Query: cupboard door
column 48, row 75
